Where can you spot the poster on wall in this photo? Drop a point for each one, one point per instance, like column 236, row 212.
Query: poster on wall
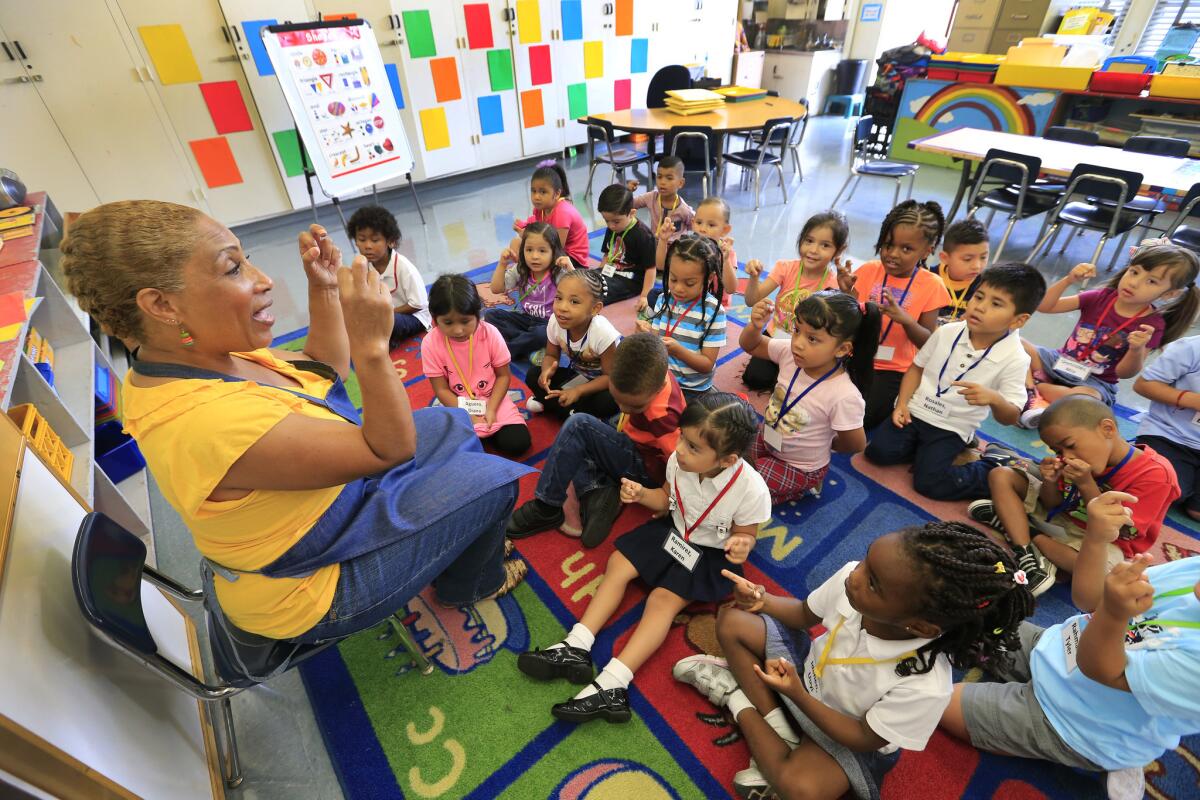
column 341, row 99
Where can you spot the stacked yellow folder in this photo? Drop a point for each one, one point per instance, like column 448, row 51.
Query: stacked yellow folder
column 693, row 101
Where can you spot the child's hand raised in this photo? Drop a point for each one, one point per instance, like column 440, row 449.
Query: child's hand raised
column 564, row 262
column 631, row 491
column 726, row 244
column 1107, row 514
column 666, row 229
column 632, row 185
column 507, row 257
column 1082, row 272
column 889, row 306
column 780, row 675
column 747, row 595
column 1138, row 339
column 846, row 279
column 1127, row 590
column 761, row 313
column 754, row 268
column 738, row 547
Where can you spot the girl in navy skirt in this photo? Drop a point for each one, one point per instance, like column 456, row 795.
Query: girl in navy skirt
column 716, row 502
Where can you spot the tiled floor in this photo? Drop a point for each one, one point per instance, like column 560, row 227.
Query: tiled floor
column 469, row 221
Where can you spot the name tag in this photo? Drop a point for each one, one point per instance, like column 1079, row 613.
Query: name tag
column 935, row 405
column 885, row 353
column 681, row 551
column 476, row 407
column 1070, row 637
column 773, row 437
column 608, row 270
column 1072, row 368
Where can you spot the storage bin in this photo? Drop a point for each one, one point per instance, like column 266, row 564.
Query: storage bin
column 942, row 74
column 1041, row 77
column 43, row 439
column 1120, row 82
column 116, row 452
column 973, row 76
column 1177, row 86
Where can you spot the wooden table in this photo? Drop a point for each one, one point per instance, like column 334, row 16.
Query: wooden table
column 1161, row 174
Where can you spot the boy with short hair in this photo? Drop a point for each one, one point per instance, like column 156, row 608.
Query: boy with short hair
column 376, row 234
column 595, row 456
column 664, row 201
column 963, row 258
column 629, row 248
column 963, row 371
column 1091, row 457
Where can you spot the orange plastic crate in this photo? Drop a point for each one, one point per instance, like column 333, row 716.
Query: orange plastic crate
column 43, row 439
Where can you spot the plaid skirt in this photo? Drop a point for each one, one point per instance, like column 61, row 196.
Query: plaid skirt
column 785, row 481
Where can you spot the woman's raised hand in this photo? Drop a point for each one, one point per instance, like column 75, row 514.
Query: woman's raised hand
column 321, row 257
column 366, row 306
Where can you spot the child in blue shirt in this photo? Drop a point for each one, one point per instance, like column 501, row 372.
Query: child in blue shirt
column 1172, row 425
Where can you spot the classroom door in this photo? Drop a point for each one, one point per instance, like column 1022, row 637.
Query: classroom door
column 487, row 59
column 578, row 52
column 534, row 29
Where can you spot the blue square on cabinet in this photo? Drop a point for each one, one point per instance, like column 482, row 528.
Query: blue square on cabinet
column 572, row 20
column 394, row 80
column 638, row 54
column 491, row 115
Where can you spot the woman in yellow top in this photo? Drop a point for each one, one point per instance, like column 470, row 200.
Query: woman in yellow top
column 317, row 523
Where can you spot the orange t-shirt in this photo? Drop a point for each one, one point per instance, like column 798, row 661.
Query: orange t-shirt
column 925, row 293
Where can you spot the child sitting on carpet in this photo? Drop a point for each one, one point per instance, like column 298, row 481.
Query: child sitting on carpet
column 1090, row 457
column 628, row 247
column 688, row 315
column 711, row 220
column 1172, row 425
column 908, row 236
column 551, row 198
column 664, row 201
column 925, row 599
column 590, row 342
column 716, row 501
column 1117, row 325
column 533, row 273
column 962, row 372
column 831, row 353
column 481, row 389
column 1109, row 691
column 595, row 456
column 964, row 256
column 376, row 234
column 821, row 242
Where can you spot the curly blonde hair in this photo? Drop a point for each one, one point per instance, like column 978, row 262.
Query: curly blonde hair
column 115, row 250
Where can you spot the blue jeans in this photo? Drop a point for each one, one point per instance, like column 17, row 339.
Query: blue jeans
column 524, row 333
column 404, row 326
column 591, row 454
column 461, row 554
column 931, row 451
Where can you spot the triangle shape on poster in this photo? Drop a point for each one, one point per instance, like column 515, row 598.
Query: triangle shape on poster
column 328, row 78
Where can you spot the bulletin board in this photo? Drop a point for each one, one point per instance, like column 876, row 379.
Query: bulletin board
column 341, row 99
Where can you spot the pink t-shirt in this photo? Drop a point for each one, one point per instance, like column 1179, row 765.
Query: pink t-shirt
column 808, row 428
column 565, row 215
column 1094, row 341
column 792, row 292
column 478, row 357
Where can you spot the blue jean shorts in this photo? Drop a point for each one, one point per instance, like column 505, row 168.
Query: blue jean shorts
column 1048, row 357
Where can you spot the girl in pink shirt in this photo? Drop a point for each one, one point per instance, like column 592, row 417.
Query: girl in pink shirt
column 551, row 197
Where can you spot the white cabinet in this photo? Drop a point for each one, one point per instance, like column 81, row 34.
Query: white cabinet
column 801, row 75
column 536, row 27
column 485, row 41
column 748, row 68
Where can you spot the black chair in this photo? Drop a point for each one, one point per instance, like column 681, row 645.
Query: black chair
column 1187, row 235
column 753, row 138
column 775, row 133
column 1054, row 187
column 696, row 146
column 666, row 79
column 618, row 159
column 1155, row 146
column 867, row 161
column 108, row 565
column 1003, row 170
column 1112, row 190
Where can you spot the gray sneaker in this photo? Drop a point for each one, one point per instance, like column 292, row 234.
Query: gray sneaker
column 1038, row 569
column 749, row 783
column 709, row 674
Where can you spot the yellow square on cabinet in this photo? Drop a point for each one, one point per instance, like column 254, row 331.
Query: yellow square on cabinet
column 593, row 59
column 434, row 128
column 168, row 48
column 529, row 22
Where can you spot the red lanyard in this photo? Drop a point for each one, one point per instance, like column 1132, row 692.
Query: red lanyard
column 671, row 328
column 1086, row 351
column 687, row 534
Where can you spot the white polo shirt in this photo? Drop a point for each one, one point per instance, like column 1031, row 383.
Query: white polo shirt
column 1004, row 370
column 904, row 711
column 748, row 501
column 404, row 282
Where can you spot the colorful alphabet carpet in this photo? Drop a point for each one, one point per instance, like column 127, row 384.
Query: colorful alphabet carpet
column 478, row 728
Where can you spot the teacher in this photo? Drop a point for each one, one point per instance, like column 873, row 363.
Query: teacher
column 317, row 523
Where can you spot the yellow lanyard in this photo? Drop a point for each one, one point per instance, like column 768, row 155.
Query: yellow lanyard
column 819, row 668
column 956, row 301
column 470, row 363
column 621, row 422
column 666, row 213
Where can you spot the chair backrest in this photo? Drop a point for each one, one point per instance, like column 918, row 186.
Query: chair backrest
column 106, row 573
column 1007, row 167
column 600, row 129
column 675, row 76
column 695, row 144
column 776, row 132
column 1061, row 133
column 1104, row 183
column 1158, row 146
column 1188, row 207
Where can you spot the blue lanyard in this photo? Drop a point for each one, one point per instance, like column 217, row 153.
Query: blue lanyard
column 582, row 346
column 1073, row 495
column 961, row 375
column 899, row 302
column 785, row 406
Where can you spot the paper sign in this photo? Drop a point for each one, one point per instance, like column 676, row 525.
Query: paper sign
column 434, row 128
column 226, row 106
column 531, row 108
column 639, row 55
column 394, row 80
column 168, row 48
column 624, row 17
column 419, row 32
column 252, row 30
column 577, row 101
column 500, row 71
column 12, row 308
column 539, row 65
column 479, row 26
column 572, row 20
column 216, row 161
column 445, row 79
column 622, row 92
column 529, row 22
column 288, row 145
column 871, row 12
column 593, row 59
column 491, row 114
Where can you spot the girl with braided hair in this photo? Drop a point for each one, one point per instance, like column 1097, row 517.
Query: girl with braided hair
column 909, row 295
column 926, row 598
column 710, row 508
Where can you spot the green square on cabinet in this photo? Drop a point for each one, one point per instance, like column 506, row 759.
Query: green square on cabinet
column 419, row 31
column 577, row 102
column 500, row 69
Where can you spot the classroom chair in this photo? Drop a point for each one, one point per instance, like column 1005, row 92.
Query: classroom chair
column 696, row 146
column 1054, row 187
column 108, row 565
column 775, row 133
column 1157, row 146
column 1107, row 191
column 1187, row 235
column 754, row 138
column 867, row 162
column 618, row 158
column 674, row 76
column 1009, row 170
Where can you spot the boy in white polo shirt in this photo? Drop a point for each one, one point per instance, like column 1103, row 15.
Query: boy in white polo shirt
column 376, row 234
column 963, row 370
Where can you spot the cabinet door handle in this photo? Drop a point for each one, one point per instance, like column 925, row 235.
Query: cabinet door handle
column 237, row 34
column 225, row 33
column 234, row 57
column 21, row 52
column 7, row 52
column 20, row 79
column 35, row 78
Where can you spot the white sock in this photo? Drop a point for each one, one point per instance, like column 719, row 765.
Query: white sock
column 778, row 721
column 737, row 702
column 615, row 675
column 579, row 636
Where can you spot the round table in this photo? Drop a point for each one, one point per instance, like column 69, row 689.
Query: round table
column 733, row 118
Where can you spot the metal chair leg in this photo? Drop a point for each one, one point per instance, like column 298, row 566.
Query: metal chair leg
column 896, row 195
column 991, row 215
column 231, row 764
column 591, row 172
column 912, row 184
column 838, row 196
column 1099, row 247
column 405, row 640
column 1012, row 221
column 782, row 182
column 1046, row 239
column 757, row 182
column 1117, row 252
column 854, row 188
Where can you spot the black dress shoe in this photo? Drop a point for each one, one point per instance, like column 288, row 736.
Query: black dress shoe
column 533, row 517
column 599, row 509
column 567, row 662
column 611, row 705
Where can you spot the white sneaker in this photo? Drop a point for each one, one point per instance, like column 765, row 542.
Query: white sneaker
column 534, row 406
column 750, row 783
column 709, row 674
column 1127, row 784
